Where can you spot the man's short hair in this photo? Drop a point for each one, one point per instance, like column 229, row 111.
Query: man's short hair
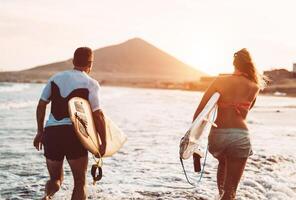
column 83, row 56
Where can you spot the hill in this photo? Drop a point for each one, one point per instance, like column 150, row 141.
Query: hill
column 132, row 62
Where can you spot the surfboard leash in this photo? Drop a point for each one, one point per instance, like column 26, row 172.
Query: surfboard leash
column 97, row 167
column 201, row 173
column 98, row 163
column 204, row 164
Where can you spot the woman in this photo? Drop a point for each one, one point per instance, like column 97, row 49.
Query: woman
column 230, row 142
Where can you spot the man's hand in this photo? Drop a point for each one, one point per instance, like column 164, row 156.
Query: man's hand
column 38, row 140
column 99, row 121
column 40, row 113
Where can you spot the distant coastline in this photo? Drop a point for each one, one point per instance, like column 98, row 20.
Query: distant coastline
column 128, row 81
column 286, row 87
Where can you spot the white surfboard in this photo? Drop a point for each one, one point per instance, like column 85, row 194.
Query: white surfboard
column 81, row 116
column 201, row 125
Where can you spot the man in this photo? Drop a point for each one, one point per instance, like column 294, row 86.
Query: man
column 58, row 136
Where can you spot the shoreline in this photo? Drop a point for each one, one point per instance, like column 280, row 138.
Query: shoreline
column 167, row 119
column 183, row 86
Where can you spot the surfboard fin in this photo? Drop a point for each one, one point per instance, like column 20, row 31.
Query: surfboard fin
column 196, row 162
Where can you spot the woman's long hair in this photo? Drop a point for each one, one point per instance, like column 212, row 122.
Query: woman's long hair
column 243, row 63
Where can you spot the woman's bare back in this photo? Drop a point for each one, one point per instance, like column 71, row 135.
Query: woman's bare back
column 234, row 90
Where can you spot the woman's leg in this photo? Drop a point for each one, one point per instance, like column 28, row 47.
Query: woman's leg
column 79, row 168
column 234, row 171
column 55, row 169
column 221, row 174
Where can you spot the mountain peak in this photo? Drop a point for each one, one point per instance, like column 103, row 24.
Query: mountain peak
column 135, row 41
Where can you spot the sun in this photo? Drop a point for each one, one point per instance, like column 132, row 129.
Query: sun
column 209, row 58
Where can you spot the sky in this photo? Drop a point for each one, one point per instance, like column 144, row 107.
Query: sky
column 201, row 33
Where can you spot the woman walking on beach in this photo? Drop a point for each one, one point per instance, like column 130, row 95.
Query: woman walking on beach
column 230, row 141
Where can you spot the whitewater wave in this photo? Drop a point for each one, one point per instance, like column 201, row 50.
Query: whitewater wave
column 7, row 87
column 16, row 105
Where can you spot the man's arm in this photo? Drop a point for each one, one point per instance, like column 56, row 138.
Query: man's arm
column 99, row 121
column 40, row 114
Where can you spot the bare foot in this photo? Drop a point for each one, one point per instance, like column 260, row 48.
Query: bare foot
column 46, row 198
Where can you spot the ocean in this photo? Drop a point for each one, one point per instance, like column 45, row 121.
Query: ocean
column 148, row 167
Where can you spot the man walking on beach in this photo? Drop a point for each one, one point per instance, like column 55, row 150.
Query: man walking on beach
column 58, row 136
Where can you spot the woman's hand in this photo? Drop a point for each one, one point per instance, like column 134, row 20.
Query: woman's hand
column 38, row 140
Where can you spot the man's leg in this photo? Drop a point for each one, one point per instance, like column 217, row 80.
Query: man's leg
column 55, row 169
column 79, row 168
column 234, row 171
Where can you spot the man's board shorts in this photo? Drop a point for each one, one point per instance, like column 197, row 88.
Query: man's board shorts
column 61, row 141
column 232, row 142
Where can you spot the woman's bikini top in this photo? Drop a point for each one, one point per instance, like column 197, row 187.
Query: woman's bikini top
column 237, row 106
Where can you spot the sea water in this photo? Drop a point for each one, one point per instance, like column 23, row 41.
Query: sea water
column 148, row 167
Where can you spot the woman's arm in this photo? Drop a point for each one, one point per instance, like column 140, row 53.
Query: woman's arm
column 253, row 103
column 255, row 98
column 207, row 95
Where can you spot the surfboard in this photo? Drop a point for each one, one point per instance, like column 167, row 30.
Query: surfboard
column 201, row 125
column 81, row 116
